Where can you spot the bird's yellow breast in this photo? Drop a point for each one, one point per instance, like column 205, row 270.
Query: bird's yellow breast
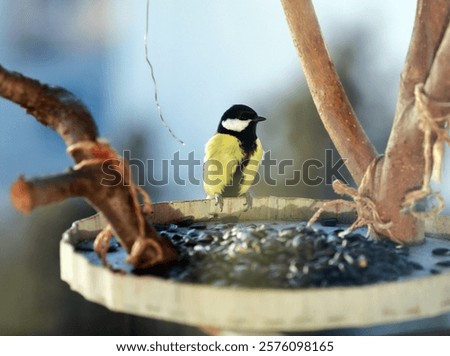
column 223, row 155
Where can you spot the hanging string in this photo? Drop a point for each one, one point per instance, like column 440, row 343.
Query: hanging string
column 158, row 106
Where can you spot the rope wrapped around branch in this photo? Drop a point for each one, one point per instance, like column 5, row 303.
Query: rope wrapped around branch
column 433, row 127
column 365, row 207
column 100, row 151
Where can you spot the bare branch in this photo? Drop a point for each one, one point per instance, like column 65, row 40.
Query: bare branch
column 437, row 85
column 430, row 24
column 89, row 182
column 326, row 89
column 52, row 106
column 100, row 175
column 404, row 166
column 401, row 171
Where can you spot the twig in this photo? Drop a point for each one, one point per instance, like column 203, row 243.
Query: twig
column 27, row 195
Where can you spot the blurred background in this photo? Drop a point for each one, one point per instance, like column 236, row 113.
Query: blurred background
column 207, row 55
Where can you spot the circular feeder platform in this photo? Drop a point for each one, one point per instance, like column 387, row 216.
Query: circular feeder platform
column 259, row 310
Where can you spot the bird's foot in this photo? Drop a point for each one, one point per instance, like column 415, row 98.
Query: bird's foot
column 219, row 201
column 248, row 201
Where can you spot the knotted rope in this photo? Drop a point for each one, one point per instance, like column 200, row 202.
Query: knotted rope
column 433, row 127
column 365, row 207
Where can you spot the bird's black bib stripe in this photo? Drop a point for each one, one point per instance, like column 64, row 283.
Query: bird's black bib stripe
column 247, row 141
column 233, row 189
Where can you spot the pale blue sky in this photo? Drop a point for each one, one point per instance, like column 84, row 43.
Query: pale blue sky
column 207, row 54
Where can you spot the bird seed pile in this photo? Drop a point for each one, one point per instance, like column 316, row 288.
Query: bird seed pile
column 272, row 255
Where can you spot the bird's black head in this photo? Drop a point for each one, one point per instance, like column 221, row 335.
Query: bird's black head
column 240, row 121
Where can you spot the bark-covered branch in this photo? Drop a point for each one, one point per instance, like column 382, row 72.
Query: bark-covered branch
column 429, row 27
column 52, row 106
column 402, row 170
column 326, row 89
column 100, row 175
column 437, row 84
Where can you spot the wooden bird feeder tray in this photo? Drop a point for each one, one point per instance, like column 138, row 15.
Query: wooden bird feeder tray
column 251, row 310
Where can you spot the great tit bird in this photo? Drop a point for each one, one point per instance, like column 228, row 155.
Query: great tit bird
column 232, row 155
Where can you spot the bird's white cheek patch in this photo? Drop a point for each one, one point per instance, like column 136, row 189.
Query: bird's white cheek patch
column 235, row 124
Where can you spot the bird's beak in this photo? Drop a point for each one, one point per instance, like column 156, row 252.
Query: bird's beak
column 259, row 118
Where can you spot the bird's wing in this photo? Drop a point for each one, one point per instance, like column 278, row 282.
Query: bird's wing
column 222, row 156
column 250, row 170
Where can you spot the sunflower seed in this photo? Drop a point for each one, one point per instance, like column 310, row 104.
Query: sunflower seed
column 441, row 251
column 443, row 263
